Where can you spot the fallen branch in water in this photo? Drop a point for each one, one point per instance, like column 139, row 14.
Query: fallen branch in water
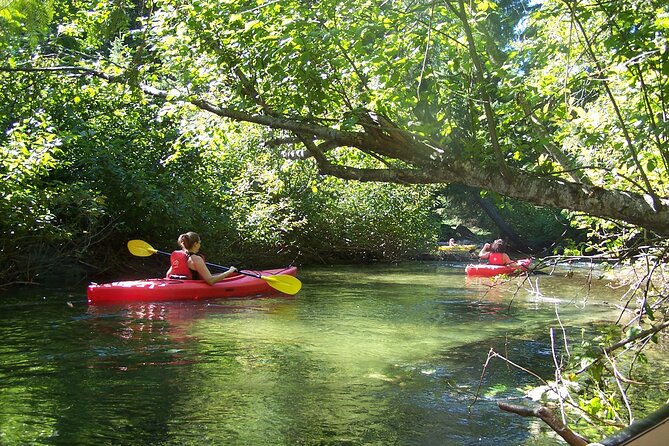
column 548, row 417
column 493, row 354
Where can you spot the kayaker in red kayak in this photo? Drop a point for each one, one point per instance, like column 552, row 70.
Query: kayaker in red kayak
column 498, row 255
column 187, row 264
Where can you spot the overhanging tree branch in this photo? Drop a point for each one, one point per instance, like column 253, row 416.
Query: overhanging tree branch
column 429, row 164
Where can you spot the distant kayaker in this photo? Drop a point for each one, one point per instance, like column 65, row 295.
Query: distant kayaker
column 498, row 255
column 186, row 263
column 452, row 242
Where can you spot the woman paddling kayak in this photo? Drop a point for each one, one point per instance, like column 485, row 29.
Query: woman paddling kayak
column 498, row 255
column 499, row 261
column 186, row 263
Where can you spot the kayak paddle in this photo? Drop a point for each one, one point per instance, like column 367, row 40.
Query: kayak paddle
column 282, row 282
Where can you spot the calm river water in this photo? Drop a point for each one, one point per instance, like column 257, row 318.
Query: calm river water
column 363, row 355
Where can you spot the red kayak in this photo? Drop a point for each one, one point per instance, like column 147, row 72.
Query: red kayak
column 486, row 270
column 160, row 290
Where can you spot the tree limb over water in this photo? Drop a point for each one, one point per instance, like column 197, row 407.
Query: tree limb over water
column 496, row 97
column 422, row 162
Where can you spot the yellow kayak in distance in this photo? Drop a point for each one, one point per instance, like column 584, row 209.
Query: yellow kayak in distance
column 457, row 249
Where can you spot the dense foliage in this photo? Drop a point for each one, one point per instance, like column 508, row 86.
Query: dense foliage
column 90, row 164
column 129, row 119
column 101, row 169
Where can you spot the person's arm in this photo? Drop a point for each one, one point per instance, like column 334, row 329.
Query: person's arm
column 510, row 262
column 485, row 251
column 204, row 272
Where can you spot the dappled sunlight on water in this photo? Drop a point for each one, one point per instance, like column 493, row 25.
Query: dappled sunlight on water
column 383, row 355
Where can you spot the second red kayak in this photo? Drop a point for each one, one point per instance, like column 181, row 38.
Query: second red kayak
column 161, row 290
column 486, row 270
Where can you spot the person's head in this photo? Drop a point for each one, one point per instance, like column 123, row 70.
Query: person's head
column 189, row 240
column 498, row 246
column 451, row 241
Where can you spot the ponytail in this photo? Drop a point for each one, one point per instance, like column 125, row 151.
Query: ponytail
column 188, row 239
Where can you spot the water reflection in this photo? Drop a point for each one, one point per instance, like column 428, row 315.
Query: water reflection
column 387, row 355
column 155, row 331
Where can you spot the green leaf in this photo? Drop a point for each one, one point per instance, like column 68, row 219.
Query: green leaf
column 633, row 331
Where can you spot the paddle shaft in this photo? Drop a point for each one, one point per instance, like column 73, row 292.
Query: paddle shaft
column 217, row 266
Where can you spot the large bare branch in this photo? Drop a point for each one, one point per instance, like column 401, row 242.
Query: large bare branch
column 542, row 191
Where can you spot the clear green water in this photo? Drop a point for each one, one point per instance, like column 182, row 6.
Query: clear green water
column 371, row 355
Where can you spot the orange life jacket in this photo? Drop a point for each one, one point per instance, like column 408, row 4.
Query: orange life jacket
column 496, row 258
column 179, row 263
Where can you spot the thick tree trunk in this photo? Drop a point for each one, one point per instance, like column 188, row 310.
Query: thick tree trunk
column 542, row 191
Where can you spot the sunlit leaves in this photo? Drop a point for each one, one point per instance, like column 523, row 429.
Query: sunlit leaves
column 24, row 19
column 316, row 62
column 301, row 60
column 619, row 48
column 30, row 148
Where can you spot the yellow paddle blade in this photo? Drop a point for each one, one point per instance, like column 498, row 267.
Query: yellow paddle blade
column 284, row 283
column 140, row 248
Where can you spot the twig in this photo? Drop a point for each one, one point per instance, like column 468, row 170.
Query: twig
column 493, row 354
column 642, row 334
column 617, row 375
column 485, row 367
column 564, row 332
column 558, row 376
